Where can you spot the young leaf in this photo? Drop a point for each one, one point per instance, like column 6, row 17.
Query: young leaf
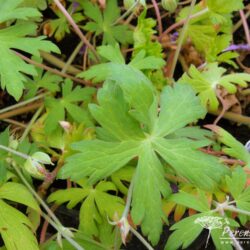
column 99, row 159
column 57, row 108
column 206, row 82
column 143, row 37
column 104, row 23
column 15, row 229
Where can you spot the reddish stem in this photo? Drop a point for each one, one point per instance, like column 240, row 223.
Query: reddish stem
column 245, row 25
column 158, row 16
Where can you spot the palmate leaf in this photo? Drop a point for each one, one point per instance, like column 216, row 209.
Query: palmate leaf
column 127, row 137
column 68, row 104
column 103, row 22
column 206, row 82
column 14, row 37
column 97, row 204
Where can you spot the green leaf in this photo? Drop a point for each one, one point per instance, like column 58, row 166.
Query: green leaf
column 117, row 70
column 11, row 10
column 236, row 183
column 206, row 82
column 43, row 80
column 116, row 121
column 243, row 200
column 190, row 163
column 174, row 101
column 9, row 191
column 67, row 106
column 222, row 6
column 97, row 204
column 104, row 22
column 100, row 158
column 12, row 67
column 15, row 229
column 143, row 34
column 123, row 175
column 186, row 231
column 130, row 78
column 197, row 202
column 146, row 202
column 41, row 4
column 232, row 147
column 60, row 26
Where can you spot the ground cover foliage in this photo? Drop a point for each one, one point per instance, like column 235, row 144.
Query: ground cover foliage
column 104, row 113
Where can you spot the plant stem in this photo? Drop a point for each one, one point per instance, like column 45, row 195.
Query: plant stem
column 12, row 151
column 23, row 103
column 245, row 26
column 32, row 121
column 54, row 222
column 142, row 240
column 59, row 63
column 20, row 110
column 60, row 230
column 158, row 16
column 233, row 117
column 126, row 13
column 10, row 121
column 181, row 39
column 54, row 71
column 239, row 23
column 72, row 57
column 180, row 23
column 76, row 28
